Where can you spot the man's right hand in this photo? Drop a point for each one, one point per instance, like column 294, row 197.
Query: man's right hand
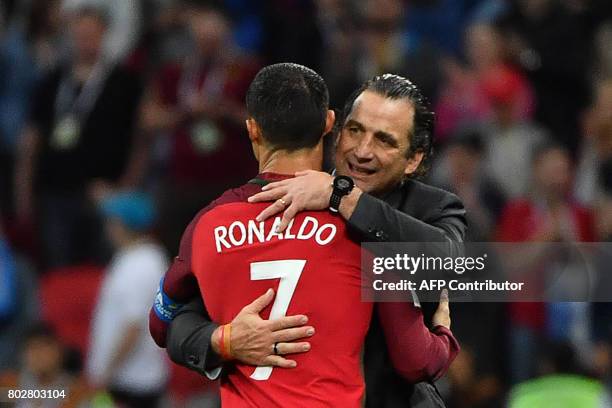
column 253, row 338
column 442, row 315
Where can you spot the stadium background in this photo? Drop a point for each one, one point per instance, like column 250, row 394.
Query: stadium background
column 522, row 90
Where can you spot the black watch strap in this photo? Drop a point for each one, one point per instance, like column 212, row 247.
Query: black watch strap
column 342, row 186
column 334, row 202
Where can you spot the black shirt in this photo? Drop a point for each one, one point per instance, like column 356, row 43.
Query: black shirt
column 103, row 144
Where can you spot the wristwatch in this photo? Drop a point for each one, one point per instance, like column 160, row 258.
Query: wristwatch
column 342, row 186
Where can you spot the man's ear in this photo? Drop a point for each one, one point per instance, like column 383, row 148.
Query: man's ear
column 254, row 136
column 413, row 163
column 254, row 131
column 329, row 121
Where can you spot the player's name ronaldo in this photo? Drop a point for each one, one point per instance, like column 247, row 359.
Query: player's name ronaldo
column 238, row 234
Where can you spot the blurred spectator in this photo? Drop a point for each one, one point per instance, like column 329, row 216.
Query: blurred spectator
column 510, row 141
column 78, row 138
column 475, row 378
column 291, row 33
column 124, row 23
column 604, row 204
column 562, row 385
column 603, row 52
column 339, row 30
column 481, row 196
column 8, row 281
column 552, row 43
column 384, row 45
column 18, row 302
column 248, row 27
column 547, row 215
column 488, row 11
column 9, row 7
column 601, row 312
column 123, row 358
column 5, row 8
column 27, row 49
column 42, row 368
column 596, row 145
column 471, row 91
column 440, row 21
column 164, row 37
column 197, row 109
column 470, row 388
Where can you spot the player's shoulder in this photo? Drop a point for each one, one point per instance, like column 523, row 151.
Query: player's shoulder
column 234, row 195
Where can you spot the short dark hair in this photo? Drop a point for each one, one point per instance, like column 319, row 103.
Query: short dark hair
column 289, row 102
column 605, row 176
column 99, row 13
column 469, row 139
column 544, row 147
column 207, row 6
column 393, row 86
column 40, row 330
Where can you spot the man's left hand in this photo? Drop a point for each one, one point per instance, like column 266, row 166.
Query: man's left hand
column 309, row 190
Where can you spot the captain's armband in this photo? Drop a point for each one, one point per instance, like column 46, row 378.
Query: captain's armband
column 165, row 308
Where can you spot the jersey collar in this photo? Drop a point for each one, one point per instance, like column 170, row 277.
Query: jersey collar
column 268, row 177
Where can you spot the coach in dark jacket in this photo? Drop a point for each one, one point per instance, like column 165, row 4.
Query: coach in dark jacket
column 384, row 142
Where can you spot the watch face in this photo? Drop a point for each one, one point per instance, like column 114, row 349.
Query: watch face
column 343, row 184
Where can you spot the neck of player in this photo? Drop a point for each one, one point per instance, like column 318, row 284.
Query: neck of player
column 285, row 162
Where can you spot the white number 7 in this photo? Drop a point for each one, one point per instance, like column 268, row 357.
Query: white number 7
column 289, row 271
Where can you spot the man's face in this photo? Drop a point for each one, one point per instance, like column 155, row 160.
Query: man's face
column 373, row 143
column 87, row 34
column 115, row 232
column 552, row 173
column 42, row 356
column 209, row 29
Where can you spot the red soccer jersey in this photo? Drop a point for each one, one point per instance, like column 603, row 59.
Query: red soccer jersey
column 314, row 269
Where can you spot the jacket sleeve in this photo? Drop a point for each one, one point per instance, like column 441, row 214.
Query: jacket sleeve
column 377, row 221
column 188, row 341
column 417, row 354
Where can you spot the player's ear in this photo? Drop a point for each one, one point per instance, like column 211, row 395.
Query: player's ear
column 329, row 121
column 254, row 136
column 254, row 131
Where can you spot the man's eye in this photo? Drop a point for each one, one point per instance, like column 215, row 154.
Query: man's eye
column 382, row 142
column 353, row 129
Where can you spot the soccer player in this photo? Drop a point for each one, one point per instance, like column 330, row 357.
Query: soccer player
column 234, row 258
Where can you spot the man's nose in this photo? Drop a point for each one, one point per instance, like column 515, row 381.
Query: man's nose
column 364, row 150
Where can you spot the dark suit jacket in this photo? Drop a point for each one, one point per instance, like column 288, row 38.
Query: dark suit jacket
column 413, row 212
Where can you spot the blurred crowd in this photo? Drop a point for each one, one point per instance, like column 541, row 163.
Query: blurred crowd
column 111, row 109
